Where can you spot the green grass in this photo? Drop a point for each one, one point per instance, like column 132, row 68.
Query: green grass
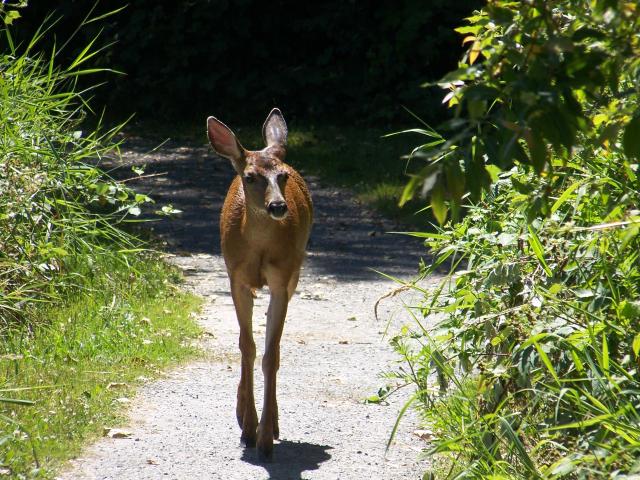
column 130, row 322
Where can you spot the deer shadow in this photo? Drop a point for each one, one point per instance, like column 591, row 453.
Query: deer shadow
column 290, row 459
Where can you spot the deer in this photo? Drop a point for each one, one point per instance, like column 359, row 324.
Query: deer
column 264, row 229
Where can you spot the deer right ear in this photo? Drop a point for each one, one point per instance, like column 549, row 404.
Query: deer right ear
column 225, row 143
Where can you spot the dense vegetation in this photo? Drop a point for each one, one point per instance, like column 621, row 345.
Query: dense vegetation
column 83, row 304
column 335, row 61
column 527, row 354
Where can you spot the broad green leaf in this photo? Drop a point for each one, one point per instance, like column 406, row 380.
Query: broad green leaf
column 562, row 467
column 437, row 203
column 10, row 16
column 555, row 288
column 494, row 172
column 630, row 310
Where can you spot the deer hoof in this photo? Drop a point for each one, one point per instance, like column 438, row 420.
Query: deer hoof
column 248, row 441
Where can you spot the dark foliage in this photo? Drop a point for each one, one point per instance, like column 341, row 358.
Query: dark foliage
column 357, row 60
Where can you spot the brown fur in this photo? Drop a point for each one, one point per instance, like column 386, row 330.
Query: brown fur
column 260, row 250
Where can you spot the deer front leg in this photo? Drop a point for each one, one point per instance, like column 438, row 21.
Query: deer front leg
column 245, row 407
column 268, row 428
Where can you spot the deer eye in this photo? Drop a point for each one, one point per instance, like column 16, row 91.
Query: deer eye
column 249, row 178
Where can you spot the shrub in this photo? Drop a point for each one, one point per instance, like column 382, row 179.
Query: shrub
column 541, row 79
column 58, row 211
column 533, row 336
column 539, row 333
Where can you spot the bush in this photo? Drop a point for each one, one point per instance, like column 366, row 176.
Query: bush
column 58, row 211
column 540, row 79
column 533, row 336
column 538, row 335
column 83, row 305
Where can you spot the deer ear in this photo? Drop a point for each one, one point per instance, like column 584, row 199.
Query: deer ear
column 225, row 143
column 274, row 130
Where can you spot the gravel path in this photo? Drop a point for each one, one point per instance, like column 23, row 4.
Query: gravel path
column 333, row 352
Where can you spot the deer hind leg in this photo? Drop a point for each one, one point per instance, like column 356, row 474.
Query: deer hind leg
column 268, row 428
column 245, row 407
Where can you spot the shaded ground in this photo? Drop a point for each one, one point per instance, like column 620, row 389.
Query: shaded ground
column 184, row 427
column 347, row 239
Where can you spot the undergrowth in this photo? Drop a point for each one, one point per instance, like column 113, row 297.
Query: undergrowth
column 85, row 307
column 527, row 355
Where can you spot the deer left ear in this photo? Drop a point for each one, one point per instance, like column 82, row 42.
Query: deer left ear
column 274, row 130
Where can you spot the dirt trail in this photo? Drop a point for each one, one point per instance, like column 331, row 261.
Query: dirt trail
column 184, row 425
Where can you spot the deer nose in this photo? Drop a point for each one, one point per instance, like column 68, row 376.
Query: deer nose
column 277, row 209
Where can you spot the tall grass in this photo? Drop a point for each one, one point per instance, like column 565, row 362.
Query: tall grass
column 85, row 307
column 527, row 355
column 58, row 211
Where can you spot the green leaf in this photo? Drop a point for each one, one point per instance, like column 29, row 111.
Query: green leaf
column 135, row 211
column 636, row 345
column 437, row 203
column 16, row 401
column 547, row 362
column 631, row 138
column 536, row 246
column 494, row 172
column 630, row 310
column 562, row 467
column 583, row 423
column 605, row 353
column 565, row 195
column 403, row 410
column 538, row 152
column 555, row 288
column 455, row 180
column 10, row 16
column 58, row 251
column 469, row 29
